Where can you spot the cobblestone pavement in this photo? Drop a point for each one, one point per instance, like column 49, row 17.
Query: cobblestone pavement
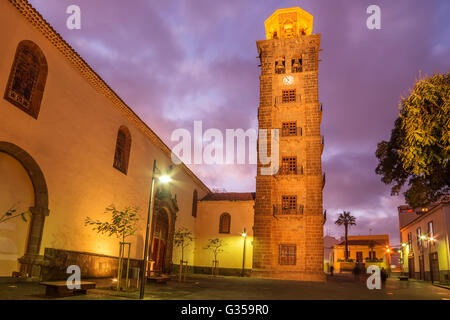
column 202, row 287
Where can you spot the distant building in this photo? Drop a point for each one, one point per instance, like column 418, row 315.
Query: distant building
column 424, row 234
column 328, row 243
column 363, row 250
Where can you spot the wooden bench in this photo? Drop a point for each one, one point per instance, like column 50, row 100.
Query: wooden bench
column 403, row 278
column 60, row 289
column 159, row 279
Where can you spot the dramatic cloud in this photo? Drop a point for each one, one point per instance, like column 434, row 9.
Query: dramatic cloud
column 175, row 62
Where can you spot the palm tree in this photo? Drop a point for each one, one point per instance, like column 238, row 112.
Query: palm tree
column 346, row 219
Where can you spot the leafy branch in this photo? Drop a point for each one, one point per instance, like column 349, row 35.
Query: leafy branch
column 12, row 214
column 122, row 225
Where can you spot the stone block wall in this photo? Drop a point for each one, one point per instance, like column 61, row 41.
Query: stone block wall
column 92, row 265
column 303, row 230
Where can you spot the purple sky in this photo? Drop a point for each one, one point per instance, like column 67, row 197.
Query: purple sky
column 175, row 62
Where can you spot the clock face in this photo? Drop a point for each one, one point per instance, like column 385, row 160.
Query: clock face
column 288, row 80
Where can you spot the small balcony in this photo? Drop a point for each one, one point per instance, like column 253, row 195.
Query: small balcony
column 291, row 132
column 286, row 171
column 279, row 100
column 278, row 209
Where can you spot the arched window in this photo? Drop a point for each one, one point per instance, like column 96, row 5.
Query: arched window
column 225, row 223
column 27, row 78
column 194, row 204
column 123, row 146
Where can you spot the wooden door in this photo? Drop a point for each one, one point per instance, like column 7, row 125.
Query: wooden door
column 411, row 267
column 359, row 256
column 434, row 267
column 421, row 268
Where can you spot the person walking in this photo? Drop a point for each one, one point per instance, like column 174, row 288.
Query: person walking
column 383, row 275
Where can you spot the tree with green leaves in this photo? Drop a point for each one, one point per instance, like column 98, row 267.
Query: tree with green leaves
column 215, row 246
column 418, row 151
column 123, row 224
column 183, row 239
column 346, row 219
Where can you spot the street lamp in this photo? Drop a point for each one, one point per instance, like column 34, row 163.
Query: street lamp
column 162, row 179
column 244, row 234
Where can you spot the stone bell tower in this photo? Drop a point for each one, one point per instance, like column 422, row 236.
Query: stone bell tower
column 288, row 226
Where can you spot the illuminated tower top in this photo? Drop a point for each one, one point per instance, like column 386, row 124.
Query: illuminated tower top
column 289, row 23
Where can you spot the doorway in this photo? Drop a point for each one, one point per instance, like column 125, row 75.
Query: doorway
column 411, row 270
column 421, row 268
column 359, row 256
column 159, row 249
column 434, row 267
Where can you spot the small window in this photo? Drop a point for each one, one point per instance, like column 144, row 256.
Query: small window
column 194, row 204
column 289, row 204
column 289, row 165
column 372, row 255
column 410, row 241
column 289, row 129
column 419, row 234
column 225, row 223
column 288, row 96
column 122, row 153
column 288, row 254
column 430, row 229
column 280, row 66
column 27, row 78
column 297, row 65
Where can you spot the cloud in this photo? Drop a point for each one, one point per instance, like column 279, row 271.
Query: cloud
column 175, row 62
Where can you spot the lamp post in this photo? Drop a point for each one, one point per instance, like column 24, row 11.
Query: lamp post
column 244, row 234
column 163, row 179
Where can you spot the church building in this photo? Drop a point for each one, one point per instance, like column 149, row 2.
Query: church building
column 70, row 147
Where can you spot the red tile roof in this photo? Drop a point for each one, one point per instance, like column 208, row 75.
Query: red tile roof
column 230, row 196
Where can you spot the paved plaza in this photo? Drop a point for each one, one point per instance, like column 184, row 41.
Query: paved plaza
column 202, row 287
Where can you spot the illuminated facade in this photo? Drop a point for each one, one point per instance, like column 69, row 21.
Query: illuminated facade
column 364, row 250
column 288, row 228
column 424, row 237
column 70, row 147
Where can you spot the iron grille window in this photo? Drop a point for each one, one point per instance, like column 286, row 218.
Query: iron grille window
column 225, row 223
column 289, row 204
column 289, row 165
column 27, row 78
column 287, row 254
column 289, row 128
column 288, row 96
